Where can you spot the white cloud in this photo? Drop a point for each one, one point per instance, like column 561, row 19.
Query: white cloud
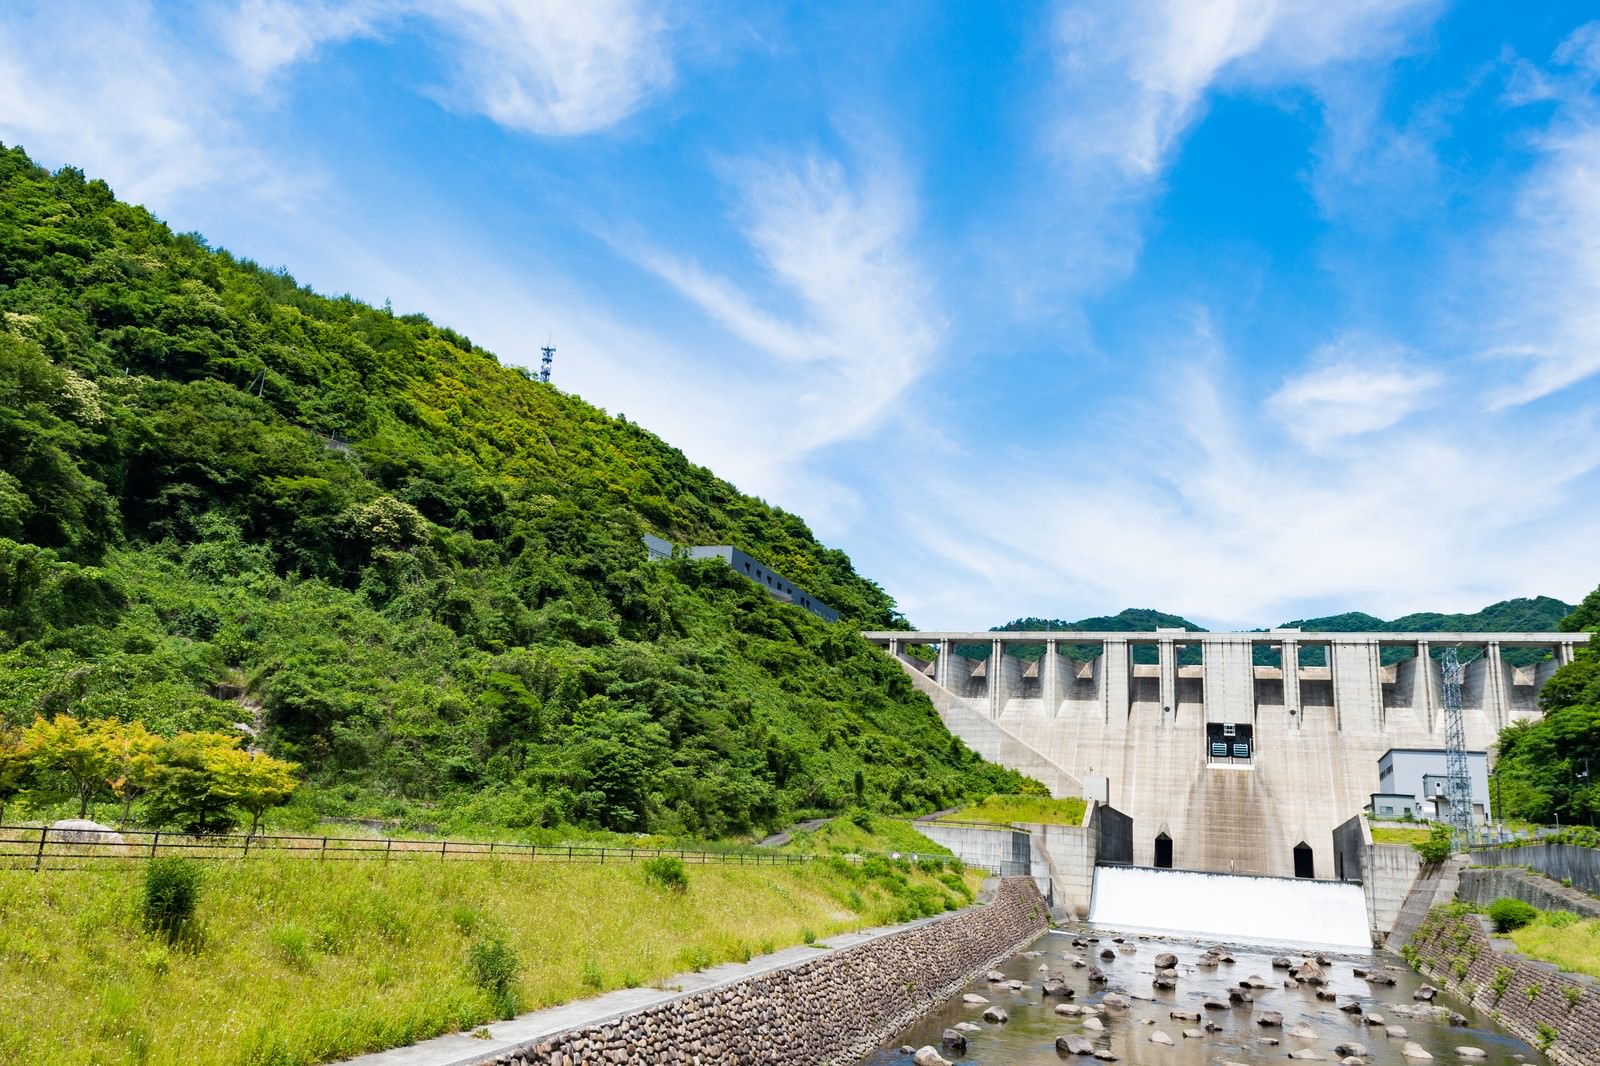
column 1356, row 387
column 1543, row 270
column 265, row 36
column 553, row 67
column 835, row 248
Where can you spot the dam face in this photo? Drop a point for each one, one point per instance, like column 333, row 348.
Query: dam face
column 1232, row 752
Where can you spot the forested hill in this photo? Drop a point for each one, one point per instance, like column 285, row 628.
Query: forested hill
column 223, row 496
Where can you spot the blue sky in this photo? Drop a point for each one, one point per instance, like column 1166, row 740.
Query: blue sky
column 1243, row 309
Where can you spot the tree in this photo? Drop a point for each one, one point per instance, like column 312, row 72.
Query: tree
column 14, row 768
column 78, row 756
column 258, row 781
column 195, row 788
column 136, row 754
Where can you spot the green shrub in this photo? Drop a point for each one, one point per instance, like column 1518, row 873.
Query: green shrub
column 1437, row 847
column 1509, row 914
column 668, row 872
column 1534, row 990
column 1498, row 983
column 1547, row 1036
column 1560, row 919
column 171, row 895
column 1573, row 994
column 494, row 968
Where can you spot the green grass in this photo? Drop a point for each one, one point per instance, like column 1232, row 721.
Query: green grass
column 1004, row 810
column 849, row 836
column 1555, row 937
column 299, row 961
column 1393, row 834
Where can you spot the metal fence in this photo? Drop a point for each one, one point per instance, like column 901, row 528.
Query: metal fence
column 43, row 848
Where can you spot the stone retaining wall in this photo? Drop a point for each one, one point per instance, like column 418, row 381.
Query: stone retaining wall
column 1453, row 950
column 831, row 1009
column 1568, row 862
column 1482, row 887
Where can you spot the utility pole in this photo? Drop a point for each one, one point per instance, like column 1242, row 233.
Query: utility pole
column 549, row 357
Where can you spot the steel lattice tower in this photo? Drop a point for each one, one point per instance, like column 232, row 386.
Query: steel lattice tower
column 1458, row 783
column 548, row 358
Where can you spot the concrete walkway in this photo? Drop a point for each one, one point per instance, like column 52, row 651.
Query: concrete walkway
column 462, row 1049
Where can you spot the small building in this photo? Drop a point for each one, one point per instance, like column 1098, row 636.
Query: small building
column 1420, row 774
column 778, row 586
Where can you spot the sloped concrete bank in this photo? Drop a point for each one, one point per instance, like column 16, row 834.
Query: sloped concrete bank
column 1482, row 887
column 1531, row 999
column 805, row 1008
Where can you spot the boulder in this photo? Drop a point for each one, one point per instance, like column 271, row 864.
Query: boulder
column 1184, row 1015
column 1395, row 1032
column 996, row 1016
column 972, row 999
column 1068, row 1010
column 1471, row 1053
column 1166, row 960
column 1215, row 1004
column 1158, row 1037
column 907, row 1049
column 1056, row 988
column 1076, row 962
column 1240, row 995
column 1268, row 1041
column 1193, row 1033
column 1414, row 1050
column 995, row 976
column 1093, row 1025
column 1165, row 983
column 1306, row 1053
column 1126, row 949
column 1425, row 993
column 928, row 1056
column 1301, row 1031
column 1074, row 1045
column 1269, row 1018
column 1353, row 1007
column 1374, row 1019
column 1327, row 994
column 1113, row 1001
column 1380, row 978
column 967, row 1027
column 1310, row 972
column 954, row 1039
column 1350, row 1047
column 1104, row 1055
column 1096, row 976
column 1107, row 953
column 1252, row 982
column 1206, row 962
column 1015, row 986
column 1210, row 1026
column 1281, row 963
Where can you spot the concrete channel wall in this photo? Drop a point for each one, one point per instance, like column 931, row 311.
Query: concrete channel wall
column 1482, row 886
column 832, row 1007
column 1561, row 862
column 1387, row 873
column 1529, row 998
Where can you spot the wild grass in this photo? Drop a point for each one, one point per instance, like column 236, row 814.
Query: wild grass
column 1004, row 810
column 1396, row 834
column 292, row 961
column 1557, row 937
column 861, row 833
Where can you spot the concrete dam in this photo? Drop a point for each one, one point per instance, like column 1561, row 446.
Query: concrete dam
column 1231, row 752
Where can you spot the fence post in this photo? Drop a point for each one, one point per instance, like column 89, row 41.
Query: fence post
column 38, row 856
column 245, row 854
column 602, row 855
column 324, row 853
column 155, row 842
column 387, row 844
column 442, row 845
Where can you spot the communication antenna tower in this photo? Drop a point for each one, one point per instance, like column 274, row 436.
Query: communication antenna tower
column 1457, row 782
column 548, row 358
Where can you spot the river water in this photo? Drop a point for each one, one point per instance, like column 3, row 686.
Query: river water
column 1029, row 1037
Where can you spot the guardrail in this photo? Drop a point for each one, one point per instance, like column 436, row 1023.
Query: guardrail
column 44, row 848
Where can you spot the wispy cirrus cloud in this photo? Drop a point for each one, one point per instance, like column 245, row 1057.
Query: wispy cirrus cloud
column 1355, row 386
column 1542, row 283
column 857, row 323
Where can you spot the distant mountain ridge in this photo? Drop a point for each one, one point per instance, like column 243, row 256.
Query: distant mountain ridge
column 1537, row 614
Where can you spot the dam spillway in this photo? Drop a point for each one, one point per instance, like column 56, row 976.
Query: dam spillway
column 1282, row 911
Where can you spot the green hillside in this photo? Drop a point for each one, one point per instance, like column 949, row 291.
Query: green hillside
column 225, row 498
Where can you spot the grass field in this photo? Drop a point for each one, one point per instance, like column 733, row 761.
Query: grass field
column 1399, row 834
column 302, row 962
column 1004, row 810
column 1561, row 938
column 845, row 836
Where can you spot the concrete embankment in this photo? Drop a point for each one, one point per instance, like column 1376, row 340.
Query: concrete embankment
column 1531, row 999
column 1481, row 887
column 802, row 1006
column 1563, row 862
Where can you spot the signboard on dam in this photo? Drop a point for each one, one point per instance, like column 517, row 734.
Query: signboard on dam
column 1232, row 752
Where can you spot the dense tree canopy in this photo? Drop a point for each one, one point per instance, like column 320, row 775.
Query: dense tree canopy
column 225, row 498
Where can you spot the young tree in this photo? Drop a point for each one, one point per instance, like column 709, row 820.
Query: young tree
column 259, row 782
column 76, row 755
column 194, row 785
column 136, row 753
column 14, row 768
